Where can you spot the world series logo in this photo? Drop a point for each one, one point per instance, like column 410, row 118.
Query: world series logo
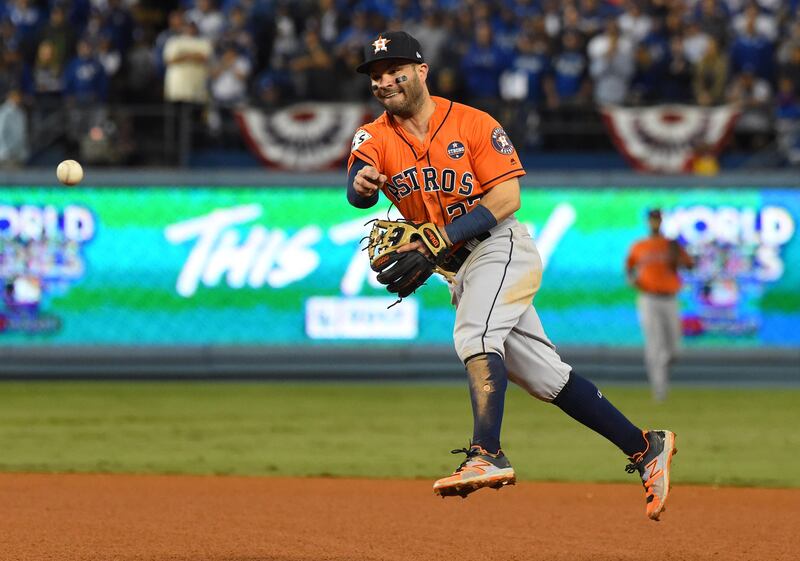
column 41, row 255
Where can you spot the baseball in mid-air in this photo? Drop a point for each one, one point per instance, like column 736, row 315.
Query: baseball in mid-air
column 69, row 172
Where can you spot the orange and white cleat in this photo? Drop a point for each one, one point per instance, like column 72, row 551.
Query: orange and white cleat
column 480, row 469
column 653, row 466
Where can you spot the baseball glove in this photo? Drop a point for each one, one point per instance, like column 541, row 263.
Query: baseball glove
column 403, row 273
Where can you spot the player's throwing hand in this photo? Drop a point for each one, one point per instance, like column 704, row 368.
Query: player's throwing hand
column 368, row 180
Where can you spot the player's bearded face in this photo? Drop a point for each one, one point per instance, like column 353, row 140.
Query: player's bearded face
column 403, row 99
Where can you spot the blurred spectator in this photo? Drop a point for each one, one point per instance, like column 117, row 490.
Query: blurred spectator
column 571, row 86
column 593, row 17
column 713, row 17
column 611, row 64
column 11, row 70
column 530, row 66
column 25, row 18
column 646, row 82
column 551, row 19
column 657, row 43
column 328, row 18
column 175, row 21
column 118, row 24
column 111, row 59
column 633, row 23
column 787, row 114
column 59, row 34
column 483, row 64
column 753, row 95
column 710, row 76
column 273, row 89
column 506, row 28
column 186, row 57
column 676, row 85
column 763, row 23
column 85, row 80
column 791, row 40
column 791, row 67
column 229, row 75
column 95, row 27
column 287, row 42
column 13, row 131
column 78, row 13
column 357, row 34
column 45, row 81
column 207, row 18
column 142, row 70
column 787, row 101
column 237, row 33
column 313, row 69
column 448, row 84
column 571, row 19
column 351, row 85
column 752, row 50
column 695, row 42
column 432, row 37
column 85, row 90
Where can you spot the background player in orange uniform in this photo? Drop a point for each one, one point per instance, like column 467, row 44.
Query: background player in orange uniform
column 454, row 166
column 652, row 267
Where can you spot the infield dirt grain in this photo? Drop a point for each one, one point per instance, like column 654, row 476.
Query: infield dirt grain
column 195, row 518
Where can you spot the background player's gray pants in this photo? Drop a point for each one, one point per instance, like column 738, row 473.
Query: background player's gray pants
column 660, row 321
column 493, row 293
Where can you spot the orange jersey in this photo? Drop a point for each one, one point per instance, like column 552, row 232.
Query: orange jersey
column 465, row 153
column 652, row 260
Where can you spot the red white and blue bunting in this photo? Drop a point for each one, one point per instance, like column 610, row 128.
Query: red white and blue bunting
column 303, row 136
column 666, row 138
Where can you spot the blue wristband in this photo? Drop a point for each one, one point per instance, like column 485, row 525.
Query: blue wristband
column 476, row 222
column 354, row 198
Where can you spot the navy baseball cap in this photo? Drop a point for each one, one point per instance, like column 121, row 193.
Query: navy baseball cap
column 391, row 44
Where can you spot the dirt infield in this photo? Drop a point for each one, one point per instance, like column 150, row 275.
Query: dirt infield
column 166, row 518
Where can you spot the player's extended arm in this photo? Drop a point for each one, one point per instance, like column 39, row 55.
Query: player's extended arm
column 499, row 203
column 363, row 182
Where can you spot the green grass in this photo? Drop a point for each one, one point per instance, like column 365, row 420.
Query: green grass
column 725, row 436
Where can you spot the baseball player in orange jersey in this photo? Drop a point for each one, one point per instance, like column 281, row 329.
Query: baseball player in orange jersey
column 454, row 166
column 652, row 267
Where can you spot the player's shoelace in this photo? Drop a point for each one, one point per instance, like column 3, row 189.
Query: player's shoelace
column 630, row 468
column 470, row 452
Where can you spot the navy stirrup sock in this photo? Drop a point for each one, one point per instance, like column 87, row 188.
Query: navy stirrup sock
column 488, row 380
column 581, row 400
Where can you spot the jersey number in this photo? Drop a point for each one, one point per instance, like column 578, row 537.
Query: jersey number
column 462, row 207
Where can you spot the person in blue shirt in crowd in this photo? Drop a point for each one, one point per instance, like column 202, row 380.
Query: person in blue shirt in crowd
column 646, row 82
column 751, row 50
column 570, row 73
column 483, row 64
column 532, row 60
column 118, row 23
column 26, row 19
column 85, row 79
column 506, row 28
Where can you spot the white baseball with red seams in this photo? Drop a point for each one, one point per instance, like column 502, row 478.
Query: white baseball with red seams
column 69, row 172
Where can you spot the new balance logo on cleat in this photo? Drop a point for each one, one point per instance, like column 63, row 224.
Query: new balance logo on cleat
column 654, row 466
column 480, row 469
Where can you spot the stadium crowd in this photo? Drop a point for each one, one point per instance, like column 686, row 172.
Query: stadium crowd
column 556, row 55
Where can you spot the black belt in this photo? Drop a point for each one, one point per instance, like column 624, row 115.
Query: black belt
column 453, row 261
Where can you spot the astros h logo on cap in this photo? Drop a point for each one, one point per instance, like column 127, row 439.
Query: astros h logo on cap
column 394, row 45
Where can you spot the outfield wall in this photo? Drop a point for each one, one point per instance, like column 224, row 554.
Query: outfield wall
column 260, row 274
